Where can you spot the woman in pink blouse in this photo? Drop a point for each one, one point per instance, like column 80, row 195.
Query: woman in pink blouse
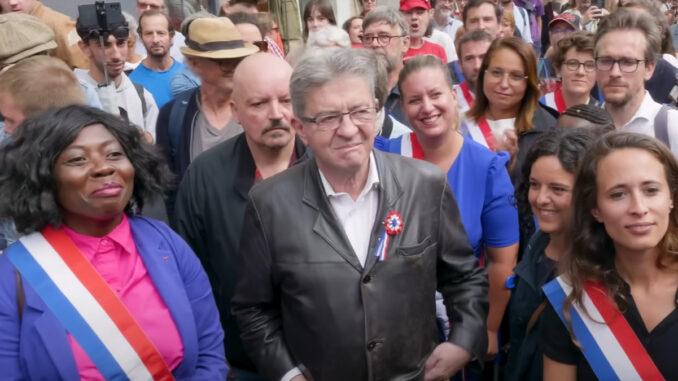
column 92, row 290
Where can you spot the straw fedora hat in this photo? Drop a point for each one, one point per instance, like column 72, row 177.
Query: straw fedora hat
column 215, row 38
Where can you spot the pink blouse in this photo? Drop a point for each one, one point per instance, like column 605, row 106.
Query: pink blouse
column 116, row 259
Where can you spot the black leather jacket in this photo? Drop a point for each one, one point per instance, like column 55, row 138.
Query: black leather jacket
column 303, row 299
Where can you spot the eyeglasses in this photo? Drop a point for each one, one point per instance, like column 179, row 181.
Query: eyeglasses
column 384, row 39
column 626, row 65
column 331, row 121
column 514, row 78
column 573, row 65
column 262, row 45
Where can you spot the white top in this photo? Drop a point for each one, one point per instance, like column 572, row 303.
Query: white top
column 462, row 103
column 442, row 39
column 356, row 217
column 450, row 28
column 498, row 128
column 643, row 121
column 126, row 97
column 398, row 128
column 522, row 23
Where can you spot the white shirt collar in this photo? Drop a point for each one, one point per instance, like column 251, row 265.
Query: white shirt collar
column 372, row 180
column 647, row 110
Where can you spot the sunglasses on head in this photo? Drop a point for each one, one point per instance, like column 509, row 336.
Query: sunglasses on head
column 119, row 33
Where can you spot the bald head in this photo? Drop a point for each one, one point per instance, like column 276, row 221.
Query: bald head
column 261, row 100
column 260, row 68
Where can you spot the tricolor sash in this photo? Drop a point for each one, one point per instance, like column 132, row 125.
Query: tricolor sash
column 410, row 147
column 464, row 97
column 481, row 132
column 86, row 306
column 608, row 342
column 555, row 100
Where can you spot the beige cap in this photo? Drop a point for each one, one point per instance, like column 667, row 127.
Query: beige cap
column 22, row 36
column 215, row 38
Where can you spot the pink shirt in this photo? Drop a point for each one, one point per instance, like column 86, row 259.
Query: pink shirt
column 116, row 259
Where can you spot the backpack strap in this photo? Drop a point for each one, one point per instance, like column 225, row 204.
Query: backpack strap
column 661, row 125
column 176, row 119
column 20, row 294
column 142, row 98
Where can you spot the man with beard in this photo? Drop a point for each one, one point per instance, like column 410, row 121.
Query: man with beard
column 211, row 200
column 157, row 69
column 627, row 44
column 116, row 92
column 386, row 32
column 443, row 18
column 482, row 15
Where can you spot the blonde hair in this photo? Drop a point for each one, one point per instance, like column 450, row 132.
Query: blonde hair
column 57, row 86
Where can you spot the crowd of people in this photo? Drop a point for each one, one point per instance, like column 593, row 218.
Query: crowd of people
column 439, row 190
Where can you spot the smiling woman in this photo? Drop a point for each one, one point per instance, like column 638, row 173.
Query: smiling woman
column 72, row 180
column 623, row 267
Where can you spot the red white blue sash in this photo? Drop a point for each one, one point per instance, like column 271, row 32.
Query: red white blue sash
column 555, row 100
column 86, row 306
column 481, row 132
column 608, row 342
column 464, row 97
column 410, row 147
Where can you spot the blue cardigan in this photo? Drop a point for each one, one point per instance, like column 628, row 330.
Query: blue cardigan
column 37, row 348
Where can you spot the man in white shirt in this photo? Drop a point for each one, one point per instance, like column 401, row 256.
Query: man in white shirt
column 627, row 44
column 107, row 52
column 443, row 17
column 331, row 242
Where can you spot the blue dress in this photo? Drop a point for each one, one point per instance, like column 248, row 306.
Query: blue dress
column 482, row 188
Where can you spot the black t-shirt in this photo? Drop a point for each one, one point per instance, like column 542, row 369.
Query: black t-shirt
column 660, row 344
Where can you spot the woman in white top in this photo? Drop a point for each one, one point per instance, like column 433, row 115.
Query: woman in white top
column 506, row 115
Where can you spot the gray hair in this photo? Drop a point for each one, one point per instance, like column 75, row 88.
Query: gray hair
column 329, row 36
column 388, row 15
column 317, row 69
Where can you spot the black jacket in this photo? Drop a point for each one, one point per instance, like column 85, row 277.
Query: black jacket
column 525, row 360
column 303, row 299
column 179, row 157
column 542, row 121
column 210, row 206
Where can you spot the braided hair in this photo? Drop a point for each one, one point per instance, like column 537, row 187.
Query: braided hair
column 593, row 114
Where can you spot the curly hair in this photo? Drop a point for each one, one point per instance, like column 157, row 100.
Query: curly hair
column 581, row 42
column 568, row 146
column 28, row 192
column 593, row 252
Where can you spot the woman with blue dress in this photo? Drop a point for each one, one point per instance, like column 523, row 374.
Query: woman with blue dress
column 478, row 177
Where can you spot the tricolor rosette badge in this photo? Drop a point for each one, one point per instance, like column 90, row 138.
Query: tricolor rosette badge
column 393, row 225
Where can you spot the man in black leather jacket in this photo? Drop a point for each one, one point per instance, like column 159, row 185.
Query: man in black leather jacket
column 319, row 295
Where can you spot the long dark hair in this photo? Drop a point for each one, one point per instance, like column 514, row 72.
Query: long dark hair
column 569, row 147
column 28, row 193
column 593, row 253
column 325, row 9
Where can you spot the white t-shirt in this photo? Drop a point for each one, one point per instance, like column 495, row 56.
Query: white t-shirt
column 442, row 39
column 642, row 121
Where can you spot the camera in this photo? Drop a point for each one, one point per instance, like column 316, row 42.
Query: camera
column 100, row 20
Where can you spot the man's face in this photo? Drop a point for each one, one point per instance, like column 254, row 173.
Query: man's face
column 218, row 73
column 396, row 47
column 471, row 58
column 147, row 5
column 482, row 18
column 263, row 107
column 110, row 56
column 369, row 5
column 418, row 18
column 620, row 87
column 155, row 35
column 11, row 112
column 444, row 8
column 346, row 149
column 24, row 6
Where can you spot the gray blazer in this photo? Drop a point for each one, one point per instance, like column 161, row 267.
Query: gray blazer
column 303, row 299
